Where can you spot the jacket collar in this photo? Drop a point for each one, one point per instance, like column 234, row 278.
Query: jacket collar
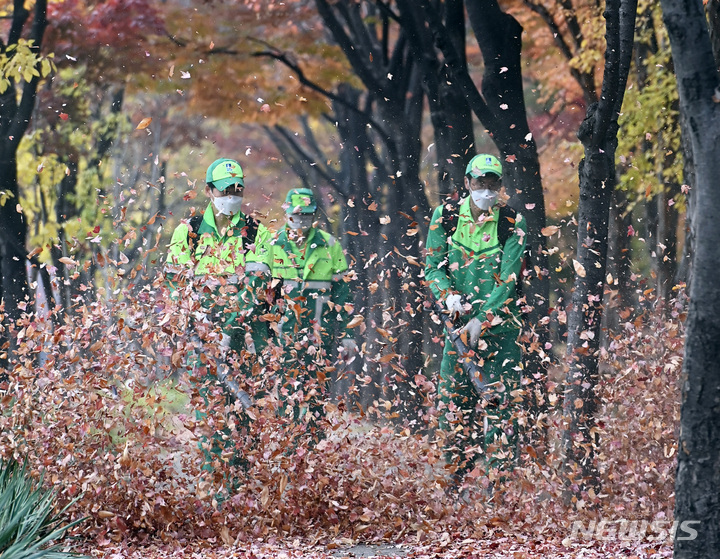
column 209, row 218
column 314, row 240
column 465, row 213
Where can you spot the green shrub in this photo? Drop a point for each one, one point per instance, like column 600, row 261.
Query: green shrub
column 28, row 524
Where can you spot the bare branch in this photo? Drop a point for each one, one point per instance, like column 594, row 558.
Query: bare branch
column 586, row 80
column 281, row 57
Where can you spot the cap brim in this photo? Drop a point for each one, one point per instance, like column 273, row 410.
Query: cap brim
column 307, row 210
column 484, row 174
column 222, row 184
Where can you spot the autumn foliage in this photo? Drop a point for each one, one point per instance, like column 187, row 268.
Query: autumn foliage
column 104, row 407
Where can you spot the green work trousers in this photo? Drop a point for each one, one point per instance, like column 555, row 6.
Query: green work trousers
column 302, row 387
column 474, row 428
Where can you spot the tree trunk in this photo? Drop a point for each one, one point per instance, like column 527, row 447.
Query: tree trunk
column 622, row 299
column 64, row 212
column 450, row 111
column 598, row 134
column 713, row 14
column 13, row 254
column 662, row 224
column 361, row 236
column 685, row 265
column 697, row 486
column 15, row 113
column 597, row 179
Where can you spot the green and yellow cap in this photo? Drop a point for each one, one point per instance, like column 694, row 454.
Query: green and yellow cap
column 300, row 201
column 223, row 173
column 482, row 164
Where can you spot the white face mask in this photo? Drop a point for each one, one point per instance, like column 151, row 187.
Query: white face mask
column 300, row 222
column 228, row 205
column 484, row 199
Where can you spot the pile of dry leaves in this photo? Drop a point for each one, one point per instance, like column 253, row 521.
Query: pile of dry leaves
column 103, row 406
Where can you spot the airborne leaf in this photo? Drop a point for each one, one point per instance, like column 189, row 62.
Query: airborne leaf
column 579, row 268
column 144, row 123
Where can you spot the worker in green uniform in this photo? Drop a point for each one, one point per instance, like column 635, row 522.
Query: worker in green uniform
column 313, row 269
column 224, row 256
column 475, row 251
column 228, row 253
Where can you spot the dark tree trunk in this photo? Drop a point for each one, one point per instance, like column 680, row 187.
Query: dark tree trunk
column 621, row 299
column 362, row 235
column 685, row 265
column 597, row 174
column 13, row 233
column 713, row 15
column 598, row 134
column 450, row 112
column 662, row 225
column 65, row 210
column 697, row 486
column 14, row 121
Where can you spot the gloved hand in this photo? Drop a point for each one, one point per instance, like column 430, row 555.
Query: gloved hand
column 454, row 304
column 473, row 329
column 348, row 350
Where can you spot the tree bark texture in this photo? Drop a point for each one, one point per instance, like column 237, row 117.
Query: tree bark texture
column 662, row 224
column 685, row 264
column 620, row 295
column 713, row 14
column 697, row 486
column 14, row 121
column 598, row 134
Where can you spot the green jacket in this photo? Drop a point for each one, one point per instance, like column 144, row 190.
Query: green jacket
column 313, row 275
column 473, row 263
column 235, row 259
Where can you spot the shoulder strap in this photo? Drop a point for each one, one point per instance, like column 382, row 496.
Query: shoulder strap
column 250, row 229
column 506, row 227
column 195, row 222
column 283, row 241
column 506, row 224
column 450, row 215
column 193, row 228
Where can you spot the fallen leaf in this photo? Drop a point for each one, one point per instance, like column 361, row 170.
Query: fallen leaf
column 579, row 268
column 144, row 123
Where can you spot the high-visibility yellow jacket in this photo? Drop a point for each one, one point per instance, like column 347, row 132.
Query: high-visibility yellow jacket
column 234, row 258
column 473, row 263
column 314, row 280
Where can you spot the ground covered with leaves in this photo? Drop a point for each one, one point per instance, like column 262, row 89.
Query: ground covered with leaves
column 103, row 409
